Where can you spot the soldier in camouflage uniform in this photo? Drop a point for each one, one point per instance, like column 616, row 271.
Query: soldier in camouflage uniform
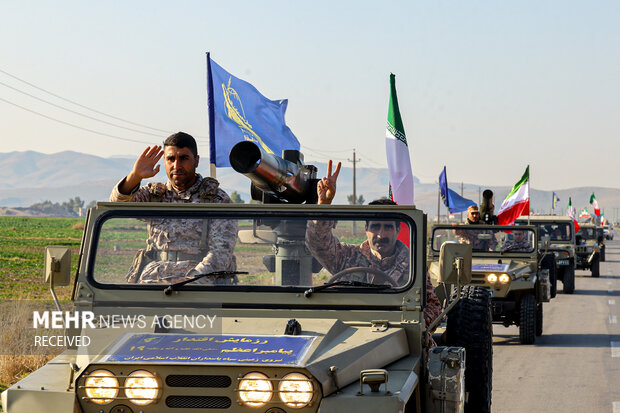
column 518, row 243
column 382, row 250
column 178, row 249
column 471, row 236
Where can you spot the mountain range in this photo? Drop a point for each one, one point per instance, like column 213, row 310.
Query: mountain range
column 32, row 177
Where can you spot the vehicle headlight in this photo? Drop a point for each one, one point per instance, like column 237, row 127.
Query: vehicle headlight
column 255, row 389
column 296, row 390
column 492, row 278
column 504, row 278
column 142, row 387
column 101, row 387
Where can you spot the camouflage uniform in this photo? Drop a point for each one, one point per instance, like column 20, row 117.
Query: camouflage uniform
column 513, row 246
column 176, row 246
column 336, row 256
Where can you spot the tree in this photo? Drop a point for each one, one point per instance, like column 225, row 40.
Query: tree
column 360, row 200
column 74, row 204
column 236, row 198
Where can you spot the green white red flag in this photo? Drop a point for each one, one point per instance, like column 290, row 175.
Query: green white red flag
column 594, row 204
column 399, row 164
column 517, row 202
column 571, row 212
column 585, row 214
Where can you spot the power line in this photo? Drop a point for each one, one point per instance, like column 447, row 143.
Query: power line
column 72, row 125
column 80, row 105
column 77, row 113
column 321, row 150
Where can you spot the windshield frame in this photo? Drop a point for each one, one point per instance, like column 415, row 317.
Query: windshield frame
column 531, row 228
column 239, row 214
column 540, row 223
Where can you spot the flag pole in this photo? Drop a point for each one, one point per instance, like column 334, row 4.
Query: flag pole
column 211, row 113
column 529, row 188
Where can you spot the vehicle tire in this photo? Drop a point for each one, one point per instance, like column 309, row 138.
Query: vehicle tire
column 470, row 325
column 602, row 254
column 527, row 318
column 548, row 262
column 595, row 267
column 539, row 320
column 568, row 281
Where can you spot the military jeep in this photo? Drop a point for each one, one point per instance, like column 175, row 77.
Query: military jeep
column 507, row 268
column 556, row 236
column 278, row 335
column 588, row 249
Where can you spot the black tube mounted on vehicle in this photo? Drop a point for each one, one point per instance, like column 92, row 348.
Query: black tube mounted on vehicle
column 275, row 179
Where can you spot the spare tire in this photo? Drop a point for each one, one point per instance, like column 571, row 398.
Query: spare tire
column 470, row 325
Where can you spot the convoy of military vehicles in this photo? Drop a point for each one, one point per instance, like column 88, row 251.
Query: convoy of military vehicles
column 283, row 333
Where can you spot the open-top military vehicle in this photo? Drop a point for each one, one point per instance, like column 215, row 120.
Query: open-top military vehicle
column 505, row 262
column 588, row 249
column 279, row 335
column 556, row 236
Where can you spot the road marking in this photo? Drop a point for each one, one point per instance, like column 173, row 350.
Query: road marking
column 613, row 320
column 616, row 406
column 615, row 348
column 611, row 302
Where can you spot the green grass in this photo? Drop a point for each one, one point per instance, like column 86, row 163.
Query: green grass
column 22, row 248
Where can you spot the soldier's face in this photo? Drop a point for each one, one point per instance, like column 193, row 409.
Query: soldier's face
column 181, row 166
column 382, row 236
column 519, row 236
column 474, row 216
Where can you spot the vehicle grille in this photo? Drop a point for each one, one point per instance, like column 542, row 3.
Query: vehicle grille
column 198, row 380
column 198, row 402
column 581, row 249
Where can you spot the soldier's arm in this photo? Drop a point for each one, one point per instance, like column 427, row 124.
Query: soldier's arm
column 144, row 167
column 325, row 247
column 136, row 194
column 433, row 306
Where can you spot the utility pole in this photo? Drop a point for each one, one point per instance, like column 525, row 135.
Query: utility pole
column 355, row 161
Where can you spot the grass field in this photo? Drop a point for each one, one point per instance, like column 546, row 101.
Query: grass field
column 22, row 248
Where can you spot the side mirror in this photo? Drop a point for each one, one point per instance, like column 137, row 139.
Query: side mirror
column 455, row 261
column 57, row 266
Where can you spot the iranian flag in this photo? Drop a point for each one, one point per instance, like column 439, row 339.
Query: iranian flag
column 517, row 202
column 585, row 214
column 571, row 212
column 399, row 164
column 594, row 204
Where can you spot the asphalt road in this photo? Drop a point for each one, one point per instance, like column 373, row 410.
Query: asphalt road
column 575, row 365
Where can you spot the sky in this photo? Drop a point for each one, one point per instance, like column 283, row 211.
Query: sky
column 484, row 87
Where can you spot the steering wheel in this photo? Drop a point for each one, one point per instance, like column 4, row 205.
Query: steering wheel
column 380, row 276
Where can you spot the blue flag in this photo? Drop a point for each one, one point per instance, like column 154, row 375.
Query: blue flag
column 555, row 201
column 237, row 112
column 453, row 201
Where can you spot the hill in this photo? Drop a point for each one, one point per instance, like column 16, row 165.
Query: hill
column 32, row 177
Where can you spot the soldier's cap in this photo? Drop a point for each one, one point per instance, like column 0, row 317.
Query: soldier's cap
column 472, row 208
